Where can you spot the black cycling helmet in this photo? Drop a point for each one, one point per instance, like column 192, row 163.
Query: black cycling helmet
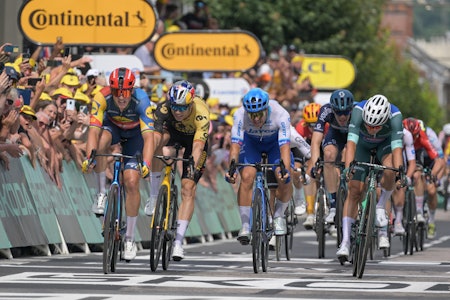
column 342, row 100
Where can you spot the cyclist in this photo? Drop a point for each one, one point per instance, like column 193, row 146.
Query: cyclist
column 304, row 128
column 375, row 124
column 261, row 125
column 337, row 114
column 120, row 113
column 429, row 154
column 398, row 196
column 182, row 119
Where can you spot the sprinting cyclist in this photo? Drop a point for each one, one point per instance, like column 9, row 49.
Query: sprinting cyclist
column 261, row 125
column 184, row 119
column 305, row 128
column 429, row 154
column 398, row 196
column 121, row 113
column 337, row 115
column 375, row 124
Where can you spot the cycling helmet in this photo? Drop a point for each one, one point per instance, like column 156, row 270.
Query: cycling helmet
column 122, row 79
column 412, row 125
column 342, row 100
column 181, row 93
column 311, row 112
column 255, row 100
column 376, row 111
column 446, row 129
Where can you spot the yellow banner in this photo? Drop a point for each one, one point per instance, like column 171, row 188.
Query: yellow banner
column 88, row 22
column 329, row 72
column 207, row 51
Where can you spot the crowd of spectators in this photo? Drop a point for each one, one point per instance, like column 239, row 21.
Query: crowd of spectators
column 38, row 89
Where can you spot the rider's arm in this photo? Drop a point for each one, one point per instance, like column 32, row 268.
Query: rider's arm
column 146, row 124
column 96, row 120
column 316, row 141
column 396, row 136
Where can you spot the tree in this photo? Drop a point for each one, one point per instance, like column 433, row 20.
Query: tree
column 337, row 27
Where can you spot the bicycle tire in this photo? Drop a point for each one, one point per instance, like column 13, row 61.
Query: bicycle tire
column 320, row 221
column 278, row 246
column 340, row 198
column 446, row 193
column 158, row 230
column 256, row 221
column 266, row 234
column 291, row 223
column 170, row 235
column 109, row 231
column 354, row 247
column 121, row 228
column 366, row 231
column 412, row 242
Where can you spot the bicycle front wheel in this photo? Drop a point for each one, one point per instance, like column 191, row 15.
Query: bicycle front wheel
column 320, row 220
column 256, row 229
column 158, row 230
column 340, row 198
column 267, row 232
column 109, row 231
column 291, row 219
column 366, row 231
column 170, row 234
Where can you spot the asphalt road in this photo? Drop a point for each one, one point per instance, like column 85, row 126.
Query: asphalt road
column 222, row 269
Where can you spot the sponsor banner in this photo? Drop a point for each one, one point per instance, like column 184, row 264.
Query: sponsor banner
column 87, row 22
column 204, row 51
column 228, row 90
column 329, row 72
column 106, row 63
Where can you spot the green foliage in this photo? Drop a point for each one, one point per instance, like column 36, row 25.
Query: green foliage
column 337, row 27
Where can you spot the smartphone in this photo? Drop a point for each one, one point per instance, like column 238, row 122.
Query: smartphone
column 25, row 55
column 26, row 95
column 34, row 81
column 70, row 104
column 54, row 63
column 84, row 109
column 67, row 51
column 91, row 79
column 11, row 49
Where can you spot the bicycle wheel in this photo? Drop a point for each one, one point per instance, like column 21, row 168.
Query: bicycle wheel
column 320, row 220
column 340, row 198
column 170, row 234
column 109, row 225
column 278, row 246
column 256, row 221
column 366, row 231
column 291, row 219
column 412, row 230
column 266, row 234
column 446, row 193
column 158, row 231
column 354, row 246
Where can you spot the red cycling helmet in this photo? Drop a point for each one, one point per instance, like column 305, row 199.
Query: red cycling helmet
column 122, row 79
column 412, row 125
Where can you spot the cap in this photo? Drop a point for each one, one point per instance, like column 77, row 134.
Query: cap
column 45, row 96
column 212, row 102
column 92, row 72
column 297, row 58
column 28, row 111
column 71, row 80
column 292, row 47
column 63, row 93
column 213, row 117
column 199, row 4
column 81, row 97
column 229, row 120
column 274, row 56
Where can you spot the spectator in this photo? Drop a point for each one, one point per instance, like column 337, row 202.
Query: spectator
column 199, row 18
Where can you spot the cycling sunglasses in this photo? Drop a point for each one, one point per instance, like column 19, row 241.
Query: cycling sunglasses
column 121, row 92
column 374, row 127
column 254, row 115
column 180, row 108
column 342, row 112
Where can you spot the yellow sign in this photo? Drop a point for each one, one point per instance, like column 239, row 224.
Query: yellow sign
column 203, row 51
column 329, row 72
column 88, row 22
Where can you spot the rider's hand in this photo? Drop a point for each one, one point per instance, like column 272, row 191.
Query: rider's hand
column 286, row 178
column 313, row 172
column 408, row 181
column 145, row 169
column 307, row 179
column 87, row 164
column 231, row 179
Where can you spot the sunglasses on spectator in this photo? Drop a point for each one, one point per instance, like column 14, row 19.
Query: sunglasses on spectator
column 255, row 115
column 342, row 112
column 121, row 92
column 181, row 108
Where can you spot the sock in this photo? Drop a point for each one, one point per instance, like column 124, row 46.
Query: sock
column 299, row 196
column 280, row 208
column 347, row 223
column 182, row 225
column 382, row 231
column 244, row 211
column 310, row 205
column 333, row 200
column 101, row 182
column 131, row 224
column 383, row 197
column 155, row 183
column 432, row 214
column 398, row 214
column 419, row 204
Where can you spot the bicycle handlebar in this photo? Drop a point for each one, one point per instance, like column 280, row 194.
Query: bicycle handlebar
column 169, row 160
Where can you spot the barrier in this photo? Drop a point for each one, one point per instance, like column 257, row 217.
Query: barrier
column 35, row 213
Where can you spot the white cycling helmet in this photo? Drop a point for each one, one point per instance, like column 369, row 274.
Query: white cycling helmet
column 376, row 111
column 446, row 129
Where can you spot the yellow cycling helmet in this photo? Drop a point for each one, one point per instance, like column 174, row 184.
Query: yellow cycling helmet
column 311, row 112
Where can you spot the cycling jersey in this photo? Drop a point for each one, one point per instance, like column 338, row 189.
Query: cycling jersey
column 137, row 112
column 326, row 116
column 434, row 140
column 298, row 142
column 408, row 146
column 304, row 130
column 422, row 142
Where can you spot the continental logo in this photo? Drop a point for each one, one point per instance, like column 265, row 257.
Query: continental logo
column 88, row 22
column 207, row 51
